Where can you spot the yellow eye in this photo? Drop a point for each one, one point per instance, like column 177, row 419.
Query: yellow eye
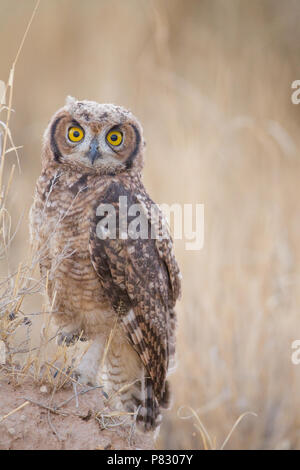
column 75, row 134
column 114, row 138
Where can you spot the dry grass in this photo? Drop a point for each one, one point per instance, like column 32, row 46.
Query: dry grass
column 42, row 363
column 210, row 80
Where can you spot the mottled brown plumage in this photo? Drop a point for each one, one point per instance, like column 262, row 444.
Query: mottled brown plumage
column 97, row 285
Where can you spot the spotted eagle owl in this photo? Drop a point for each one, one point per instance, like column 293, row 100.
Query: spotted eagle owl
column 119, row 287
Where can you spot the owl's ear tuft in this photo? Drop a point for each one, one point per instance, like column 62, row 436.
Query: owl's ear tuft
column 70, row 101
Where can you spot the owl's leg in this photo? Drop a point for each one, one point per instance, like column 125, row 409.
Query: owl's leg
column 128, row 381
column 86, row 372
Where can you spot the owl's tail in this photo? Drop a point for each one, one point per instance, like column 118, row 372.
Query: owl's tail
column 141, row 401
column 148, row 414
column 135, row 390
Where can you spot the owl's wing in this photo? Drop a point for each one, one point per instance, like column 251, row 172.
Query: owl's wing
column 142, row 280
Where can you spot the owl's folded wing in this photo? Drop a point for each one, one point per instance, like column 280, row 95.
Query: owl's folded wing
column 141, row 278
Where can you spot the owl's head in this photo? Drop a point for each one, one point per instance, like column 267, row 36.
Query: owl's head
column 92, row 137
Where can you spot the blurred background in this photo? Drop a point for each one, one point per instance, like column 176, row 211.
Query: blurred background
column 211, row 82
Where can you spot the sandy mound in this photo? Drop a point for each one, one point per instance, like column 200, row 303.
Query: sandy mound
column 73, row 426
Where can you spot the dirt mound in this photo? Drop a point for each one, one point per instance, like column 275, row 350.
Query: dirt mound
column 34, row 417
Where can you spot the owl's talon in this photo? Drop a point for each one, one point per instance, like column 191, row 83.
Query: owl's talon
column 83, row 378
column 69, row 338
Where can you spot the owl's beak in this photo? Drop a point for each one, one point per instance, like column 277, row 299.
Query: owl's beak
column 93, row 152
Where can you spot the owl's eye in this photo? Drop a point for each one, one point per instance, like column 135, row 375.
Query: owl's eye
column 114, row 138
column 75, row 134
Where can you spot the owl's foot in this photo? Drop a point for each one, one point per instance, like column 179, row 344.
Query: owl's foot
column 85, row 377
column 80, row 376
column 70, row 337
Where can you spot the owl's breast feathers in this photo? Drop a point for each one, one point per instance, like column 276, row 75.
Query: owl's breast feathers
column 141, row 278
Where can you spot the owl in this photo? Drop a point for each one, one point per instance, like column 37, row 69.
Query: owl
column 119, row 290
